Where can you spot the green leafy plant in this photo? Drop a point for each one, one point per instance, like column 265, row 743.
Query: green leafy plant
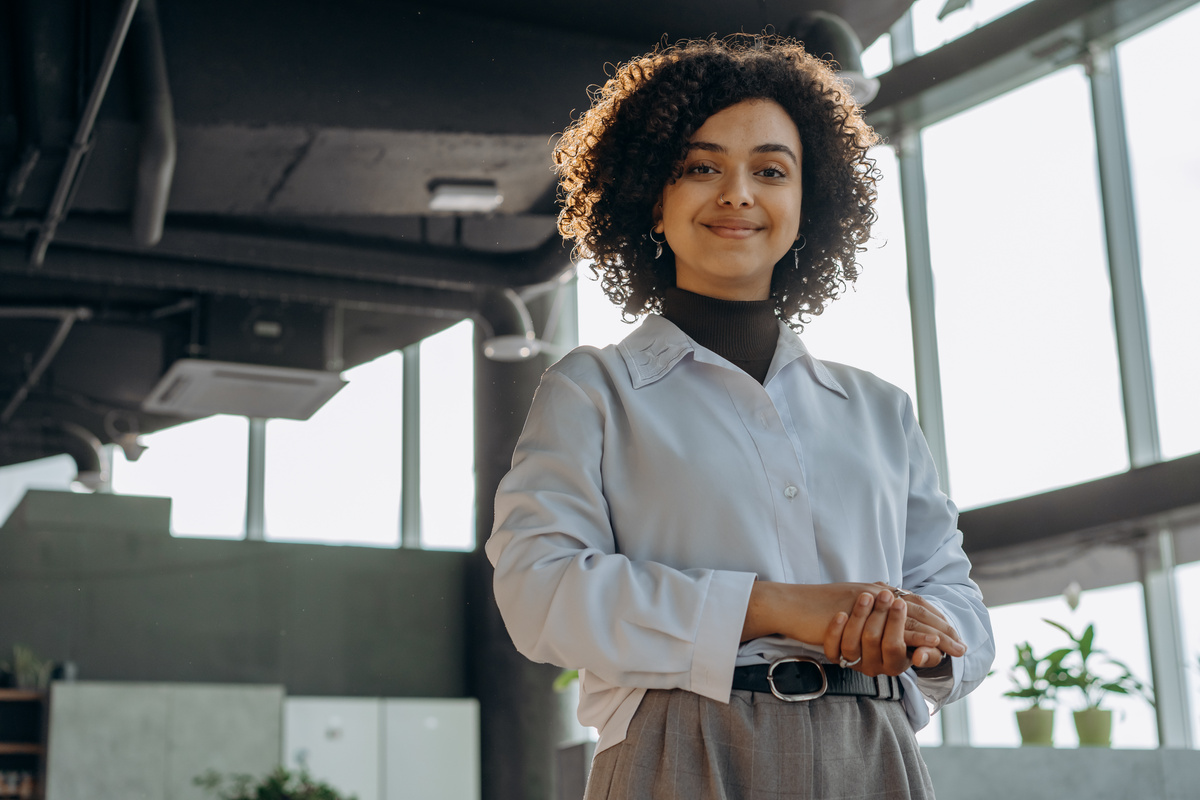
column 279, row 785
column 1093, row 672
column 29, row 671
column 565, row 679
column 1031, row 675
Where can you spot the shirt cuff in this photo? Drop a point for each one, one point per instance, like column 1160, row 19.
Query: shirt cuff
column 721, row 622
column 938, row 682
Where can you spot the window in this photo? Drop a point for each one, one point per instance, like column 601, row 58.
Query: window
column 877, row 58
column 448, row 439
column 335, row 478
column 1030, row 382
column 201, row 466
column 600, row 322
column 1159, row 116
column 869, row 326
column 930, row 33
column 1120, row 624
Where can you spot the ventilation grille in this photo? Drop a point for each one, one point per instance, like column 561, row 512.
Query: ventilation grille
column 194, row 387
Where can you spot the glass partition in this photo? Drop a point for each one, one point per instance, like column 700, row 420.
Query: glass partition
column 1161, row 115
column 201, row 466
column 1030, row 382
column 335, row 478
column 1118, row 613
column 448, row 439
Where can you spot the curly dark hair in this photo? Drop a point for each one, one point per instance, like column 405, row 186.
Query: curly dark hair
column 614, row 161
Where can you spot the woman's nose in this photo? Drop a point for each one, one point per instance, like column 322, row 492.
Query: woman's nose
column 736, row 192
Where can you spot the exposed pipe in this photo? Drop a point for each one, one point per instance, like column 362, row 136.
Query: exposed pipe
column 68, row 317
column 88, row 451
column 156, row 161
column 82, row 143
column 26, row 440
column 29, row 118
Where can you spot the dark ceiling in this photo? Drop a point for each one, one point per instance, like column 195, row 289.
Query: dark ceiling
column 294, row 145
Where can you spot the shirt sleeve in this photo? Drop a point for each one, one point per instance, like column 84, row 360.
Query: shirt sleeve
column 936, row 568
column 568, row 596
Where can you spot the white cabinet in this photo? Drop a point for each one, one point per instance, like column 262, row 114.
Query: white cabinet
column 337, row 739
column 431, row 750
column 386, row 749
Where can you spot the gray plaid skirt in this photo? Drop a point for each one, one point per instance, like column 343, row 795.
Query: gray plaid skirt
column 682, row 745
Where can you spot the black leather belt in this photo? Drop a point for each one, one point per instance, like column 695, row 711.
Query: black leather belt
column 797, row 678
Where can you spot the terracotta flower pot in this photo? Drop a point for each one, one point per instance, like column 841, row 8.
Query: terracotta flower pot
column 1094, row 726
column 1037, row 726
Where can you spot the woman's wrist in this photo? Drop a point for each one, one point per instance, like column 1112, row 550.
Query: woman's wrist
column 777, row 609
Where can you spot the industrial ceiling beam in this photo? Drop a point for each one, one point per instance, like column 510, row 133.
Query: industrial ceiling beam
column 149, row 272
column 1030, row 42
column 1130, row 498
column 410, row 265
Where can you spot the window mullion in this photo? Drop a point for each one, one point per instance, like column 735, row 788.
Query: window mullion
column 410, row 465
column 1124, row 266
column 256, row 480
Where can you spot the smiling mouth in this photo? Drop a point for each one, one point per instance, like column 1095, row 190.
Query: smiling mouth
column 732, row 230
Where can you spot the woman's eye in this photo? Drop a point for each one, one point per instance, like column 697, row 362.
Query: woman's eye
column 700, row 169
column 773, row 172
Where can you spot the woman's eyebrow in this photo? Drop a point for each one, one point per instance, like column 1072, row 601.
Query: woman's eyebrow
column 770, row 147
column 778, row 148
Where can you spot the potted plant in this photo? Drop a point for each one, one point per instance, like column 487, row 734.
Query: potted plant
column 1030, row 677
column 279, row 785
column 1095, row 674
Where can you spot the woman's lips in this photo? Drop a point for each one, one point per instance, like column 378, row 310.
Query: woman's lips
column 732, row 228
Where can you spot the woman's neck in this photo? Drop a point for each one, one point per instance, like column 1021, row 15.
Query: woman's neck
column 744, row 332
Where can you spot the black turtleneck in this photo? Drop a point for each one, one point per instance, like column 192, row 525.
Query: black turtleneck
column 744, row 332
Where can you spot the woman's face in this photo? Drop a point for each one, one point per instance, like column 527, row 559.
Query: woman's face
column 735, row 210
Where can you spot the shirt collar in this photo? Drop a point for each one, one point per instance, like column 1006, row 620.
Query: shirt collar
column 657, row 345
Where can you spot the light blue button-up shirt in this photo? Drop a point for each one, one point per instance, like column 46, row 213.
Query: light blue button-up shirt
column 655, row 480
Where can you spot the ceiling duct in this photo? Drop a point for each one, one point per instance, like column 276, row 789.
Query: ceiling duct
column 197, row 387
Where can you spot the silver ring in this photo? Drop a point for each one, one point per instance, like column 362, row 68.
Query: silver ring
column 844, row 664
column 899, row 592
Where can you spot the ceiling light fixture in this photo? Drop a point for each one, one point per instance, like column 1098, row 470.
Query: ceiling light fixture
column 828, row 36
column 464, row 196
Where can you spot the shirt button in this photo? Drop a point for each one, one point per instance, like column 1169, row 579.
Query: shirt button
column 764, row 419
column 790, row 492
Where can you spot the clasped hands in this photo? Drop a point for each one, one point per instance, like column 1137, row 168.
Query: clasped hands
column 864, row 625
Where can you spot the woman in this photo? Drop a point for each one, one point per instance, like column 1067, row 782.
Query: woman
column 743, row 549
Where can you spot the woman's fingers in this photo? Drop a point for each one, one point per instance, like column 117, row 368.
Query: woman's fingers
column 851, row 644
column 918, row 634
column 893, row 650
column 925, row 657
column 925, row 615
column 872, row 635
column 924, row 618
column 833, row 636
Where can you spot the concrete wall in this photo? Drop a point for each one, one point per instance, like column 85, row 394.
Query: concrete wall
column 145, row 740
column 97, row 579
column 1095, row 773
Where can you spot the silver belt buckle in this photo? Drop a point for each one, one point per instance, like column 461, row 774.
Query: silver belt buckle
column 796, row 698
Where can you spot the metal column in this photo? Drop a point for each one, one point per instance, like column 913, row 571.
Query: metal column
column 256, row 480
column 410, row 468
column 954, row 717
column 1157, row 555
